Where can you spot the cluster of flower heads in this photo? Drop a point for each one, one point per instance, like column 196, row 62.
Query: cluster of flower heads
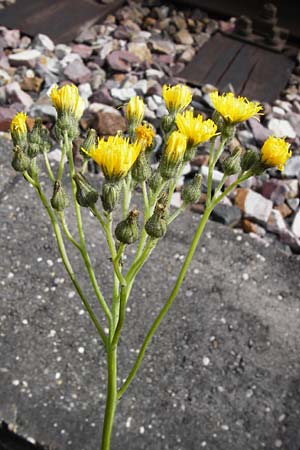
column 183, row 130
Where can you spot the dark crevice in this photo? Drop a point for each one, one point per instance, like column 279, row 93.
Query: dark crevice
column 11, row 441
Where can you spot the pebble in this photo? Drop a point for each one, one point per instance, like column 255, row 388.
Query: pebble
column 26, row 58
column 254, row 205
column 281, row 128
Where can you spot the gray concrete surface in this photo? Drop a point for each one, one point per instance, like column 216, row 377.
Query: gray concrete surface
column 223, row 373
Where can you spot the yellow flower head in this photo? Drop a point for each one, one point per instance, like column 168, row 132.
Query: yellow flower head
column 18, row 123
column 67, row 100
column 234, row 109
column 275, row 152
column 145, row 133
column 195, row 129
column 176, row 147
column 115, row 156
column 135, row 111
column 177, row 97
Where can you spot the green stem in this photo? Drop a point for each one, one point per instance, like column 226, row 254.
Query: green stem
column 176, row 213
column 62, row 161
column 111, row 399
column 169, row 302
column 64, row 256
column 210, row 170
column 68, row 149
column 48, row 167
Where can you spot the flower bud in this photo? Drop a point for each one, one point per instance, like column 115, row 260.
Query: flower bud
column 172, row 155
column 168, row 124
column 127, row 231
column 86, row 195
column 192, row 190
column 189, row 153
column 141, row 169
column 110, row 196
column 155, row 181
column 249, row 160
column 232, row 164
column 218, row 120
column 20, row 161
column 66, row 124
column 18, row 130
column 60, row 199
column 156, row 226
column 88, row 143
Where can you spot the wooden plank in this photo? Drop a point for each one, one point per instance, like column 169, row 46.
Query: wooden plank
column 212, row 60
column 269, row 76
column 239, row 70
column 252, row 71
column 61, row 20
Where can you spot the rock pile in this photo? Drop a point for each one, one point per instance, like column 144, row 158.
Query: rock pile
column 132, row 53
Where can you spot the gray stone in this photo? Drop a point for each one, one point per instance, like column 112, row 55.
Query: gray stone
column 260, row 132
column 281, row 128
column 216, row 177
column 85, row 90
column 98, row 78
column 77, row 72
column 292, row 167
column 43, row 42
column 11, row 37
column 227, row 214
column 293, row 203
column 62, row 50
column 163, row 46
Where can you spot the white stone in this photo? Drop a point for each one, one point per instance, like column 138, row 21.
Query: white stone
column 85, row 90
column 43, row 42
column 276, row 222
column 154, row 73
column 278, row 112
column 205, row 361
column 24, row 57
column 296, row 225
column 257, row 207
column 123, row 94
column 281, row 128
column 292, row 167
column 216, row 178
column 176, row 200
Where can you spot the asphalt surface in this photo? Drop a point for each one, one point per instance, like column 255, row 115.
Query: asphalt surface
column 222, row 373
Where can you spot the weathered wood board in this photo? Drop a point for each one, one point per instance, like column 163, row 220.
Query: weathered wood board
column 252, row 71
column 61, row 20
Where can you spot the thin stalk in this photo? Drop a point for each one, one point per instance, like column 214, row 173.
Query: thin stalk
column 62, row 161
column 210, row 170
column 48, row 167
column 68, row 149
column 111, row 398
column 168, row 303
column 176, row 213
column 67, row 231
column 65, row 259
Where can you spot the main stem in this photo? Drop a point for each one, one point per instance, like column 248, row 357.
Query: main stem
column 111, row 398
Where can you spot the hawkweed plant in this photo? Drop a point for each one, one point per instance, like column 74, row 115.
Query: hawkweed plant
column 124, row 161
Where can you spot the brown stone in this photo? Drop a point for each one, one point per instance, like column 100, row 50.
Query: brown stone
column 284, row 210
column 32, row 84
column 198, row 208
column 248, row 226
column 107, row 123
column 200, row 160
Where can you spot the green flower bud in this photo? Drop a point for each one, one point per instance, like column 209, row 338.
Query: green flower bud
column 127, row 231
column 20, row 161
column 155, row 181
column 88, row 143
column 110, row 196
column 250, row 160
column 141, row 169
column 86, row 195
column 66, row 123
column 60, row 199
column 232, row 164
column 192, row 190
column 189, row 153
column 218, row 119
column 38, row 139
column 156, row 226
column 168, row 124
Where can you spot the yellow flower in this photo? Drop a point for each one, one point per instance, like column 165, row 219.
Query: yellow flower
column 234, row 109
column 67, row 100
column 18, row 123
column 135, row 111
column 177, row 97
column 18, row 128
column 195, row 129
column 275, row 152
column 145, row 134
column 115, row 156
column 175, row 148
